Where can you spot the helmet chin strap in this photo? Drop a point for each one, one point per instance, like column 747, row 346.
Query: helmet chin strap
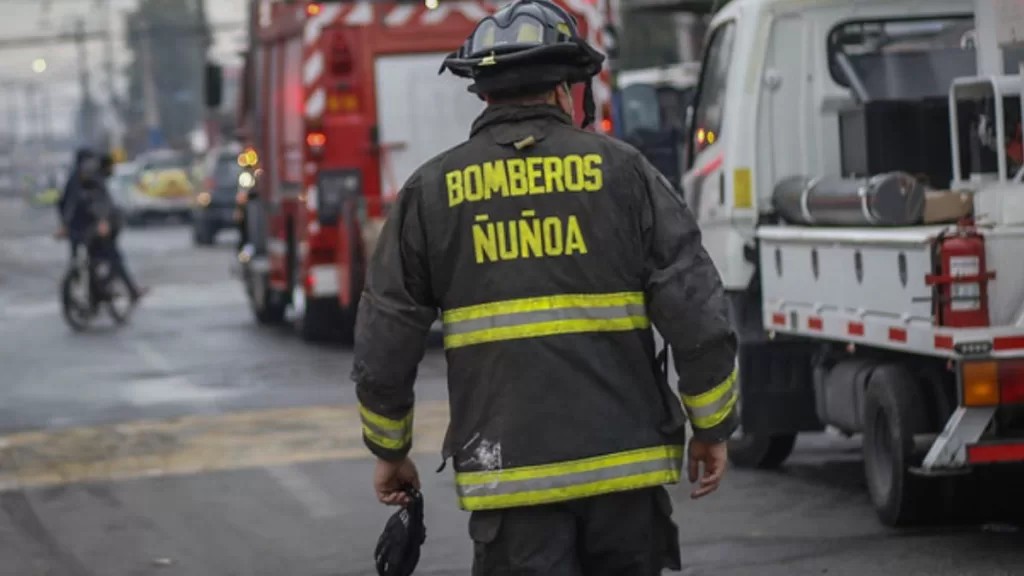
column 589, row 108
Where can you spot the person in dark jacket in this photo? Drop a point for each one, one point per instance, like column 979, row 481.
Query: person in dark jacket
column 103, row 221
column 549, row 252
column 73, row 220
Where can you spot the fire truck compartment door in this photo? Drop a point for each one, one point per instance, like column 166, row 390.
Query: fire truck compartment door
column 427, row 113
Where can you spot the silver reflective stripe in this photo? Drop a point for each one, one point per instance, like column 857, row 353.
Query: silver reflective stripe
column 702, row 412
column 497, row 486
column 396, row 435
column 540, row 316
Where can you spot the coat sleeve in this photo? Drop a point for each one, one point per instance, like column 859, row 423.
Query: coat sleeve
column 688, row 306
column 67, row 202
column 396, row 311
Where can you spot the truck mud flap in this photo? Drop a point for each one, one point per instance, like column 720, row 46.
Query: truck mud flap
column 777, row 388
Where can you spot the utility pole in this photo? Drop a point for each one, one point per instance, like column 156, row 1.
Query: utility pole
column 211, row 125
column 149, row 94
column 46, row 130
column 12, row 113
column 33, row 119
column 117, row 137
column 88, row 108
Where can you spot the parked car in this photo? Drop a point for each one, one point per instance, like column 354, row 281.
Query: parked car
column 163, row 186
column 122, row 187
column 215, row 206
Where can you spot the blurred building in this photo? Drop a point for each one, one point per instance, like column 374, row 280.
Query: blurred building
column 169, row 40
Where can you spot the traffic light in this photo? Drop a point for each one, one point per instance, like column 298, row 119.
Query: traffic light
column 214, row 86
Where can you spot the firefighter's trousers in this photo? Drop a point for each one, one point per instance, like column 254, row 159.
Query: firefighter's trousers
column 620, row 534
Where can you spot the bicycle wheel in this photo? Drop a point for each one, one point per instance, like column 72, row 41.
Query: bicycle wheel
column 75, row 306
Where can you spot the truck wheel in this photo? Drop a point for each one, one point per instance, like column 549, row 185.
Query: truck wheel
column 761, row 451
column 347, row 326
column 319, row 321
column 202, row 235
column 267, row 309
column 892, row 415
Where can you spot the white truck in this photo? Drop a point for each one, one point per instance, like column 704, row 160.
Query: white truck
column 852, row 165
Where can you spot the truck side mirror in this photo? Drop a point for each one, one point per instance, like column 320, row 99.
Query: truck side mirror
column 214, row 85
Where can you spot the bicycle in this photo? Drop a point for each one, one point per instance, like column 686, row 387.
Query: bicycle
column 89, row 285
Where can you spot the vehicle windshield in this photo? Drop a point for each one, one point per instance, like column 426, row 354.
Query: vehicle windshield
column 902, row 59
column 648, row 107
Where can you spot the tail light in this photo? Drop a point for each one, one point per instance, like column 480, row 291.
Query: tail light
column 316, row 142
column 991, row 383
column 606, row 118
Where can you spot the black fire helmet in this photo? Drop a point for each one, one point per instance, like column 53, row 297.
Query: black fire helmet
column 527, row 46
column 398, row 549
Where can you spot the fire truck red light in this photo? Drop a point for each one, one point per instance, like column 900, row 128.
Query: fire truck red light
column 1011, row 382
column 606, row 126
column 316, row 139
column 313, row 9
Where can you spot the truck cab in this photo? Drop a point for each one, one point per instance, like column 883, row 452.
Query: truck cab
column 649, row 112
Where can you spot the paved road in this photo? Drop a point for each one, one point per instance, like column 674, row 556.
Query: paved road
column 192, row 442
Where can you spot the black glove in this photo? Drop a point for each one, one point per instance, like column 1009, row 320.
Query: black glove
column 398, row 549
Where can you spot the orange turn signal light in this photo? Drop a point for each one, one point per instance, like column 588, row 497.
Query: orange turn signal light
column 980, row 384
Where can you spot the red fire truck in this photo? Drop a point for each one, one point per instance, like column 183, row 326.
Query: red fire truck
column 342, row 101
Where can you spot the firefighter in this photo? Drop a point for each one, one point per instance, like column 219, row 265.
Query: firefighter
column 549, row 252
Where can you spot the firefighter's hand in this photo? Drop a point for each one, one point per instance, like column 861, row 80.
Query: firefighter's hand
column 103, row 228
column 390, row 478
column 714, row 458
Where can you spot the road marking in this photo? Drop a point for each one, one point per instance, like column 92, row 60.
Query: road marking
column 152, row 357
column 165, row 298
column 199, row 444
column 318, row 504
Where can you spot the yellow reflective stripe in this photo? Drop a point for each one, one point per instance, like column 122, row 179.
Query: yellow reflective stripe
column 573, row 467
column 549, row 496
column 709, row 409
column 384, row 422
column 552, row 328
column 569, row 480
column 542, row 303
column 385, row 432
column 544, row 316
column 386, row 442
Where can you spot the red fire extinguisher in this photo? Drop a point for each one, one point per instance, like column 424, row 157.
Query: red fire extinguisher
column 960, row 289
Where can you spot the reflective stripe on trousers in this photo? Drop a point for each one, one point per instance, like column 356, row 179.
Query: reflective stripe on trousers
column 709, row 409
column 563, row 481
column 386, row 432
column 544, row 316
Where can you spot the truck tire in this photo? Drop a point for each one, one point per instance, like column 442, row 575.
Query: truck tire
column 203, row 235
column 761, row 451
column 267, row 309
column 319, row 321
column 893, row 413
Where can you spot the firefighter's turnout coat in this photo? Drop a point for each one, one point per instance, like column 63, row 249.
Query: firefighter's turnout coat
column 548, row 252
